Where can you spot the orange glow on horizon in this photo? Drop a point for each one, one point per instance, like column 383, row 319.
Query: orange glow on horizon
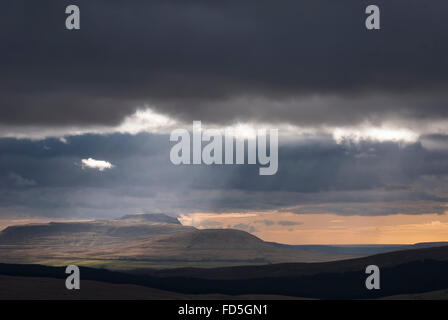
column 290, row 228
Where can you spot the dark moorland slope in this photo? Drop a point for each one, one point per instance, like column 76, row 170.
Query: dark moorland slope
column 402, row 273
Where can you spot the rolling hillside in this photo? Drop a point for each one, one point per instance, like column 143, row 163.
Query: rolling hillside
column 144, row 241
column 409, row 273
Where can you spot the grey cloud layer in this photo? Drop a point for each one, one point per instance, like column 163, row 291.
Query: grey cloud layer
column 45, row 178
column 306, row 62
column 310, row 63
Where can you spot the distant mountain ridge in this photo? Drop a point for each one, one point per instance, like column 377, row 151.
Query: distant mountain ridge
column 361, row 250
column 151, row 217
column 143, row 240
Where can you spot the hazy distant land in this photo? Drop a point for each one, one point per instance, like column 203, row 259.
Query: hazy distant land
column 139, row 241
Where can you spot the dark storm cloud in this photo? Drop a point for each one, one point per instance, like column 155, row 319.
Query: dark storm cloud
column 46, row 178
column 328, row 166
column 222, row 60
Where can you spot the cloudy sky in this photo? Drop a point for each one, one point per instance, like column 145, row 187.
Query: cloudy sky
column 85, row 115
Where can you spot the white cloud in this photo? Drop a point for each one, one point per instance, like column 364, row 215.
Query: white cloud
column 143, row 120
column 380, row 134
column 147, row 119
column 96, row 164
column 63, row 140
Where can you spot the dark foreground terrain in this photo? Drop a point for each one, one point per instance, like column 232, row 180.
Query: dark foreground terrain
column 408, row 274
column 35, row 288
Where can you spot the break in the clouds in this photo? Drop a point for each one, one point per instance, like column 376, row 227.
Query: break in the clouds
column 310, row 64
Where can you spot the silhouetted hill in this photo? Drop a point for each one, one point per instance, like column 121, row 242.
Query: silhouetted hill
column 429, row 244
column 361, row 250
column 385, row 260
